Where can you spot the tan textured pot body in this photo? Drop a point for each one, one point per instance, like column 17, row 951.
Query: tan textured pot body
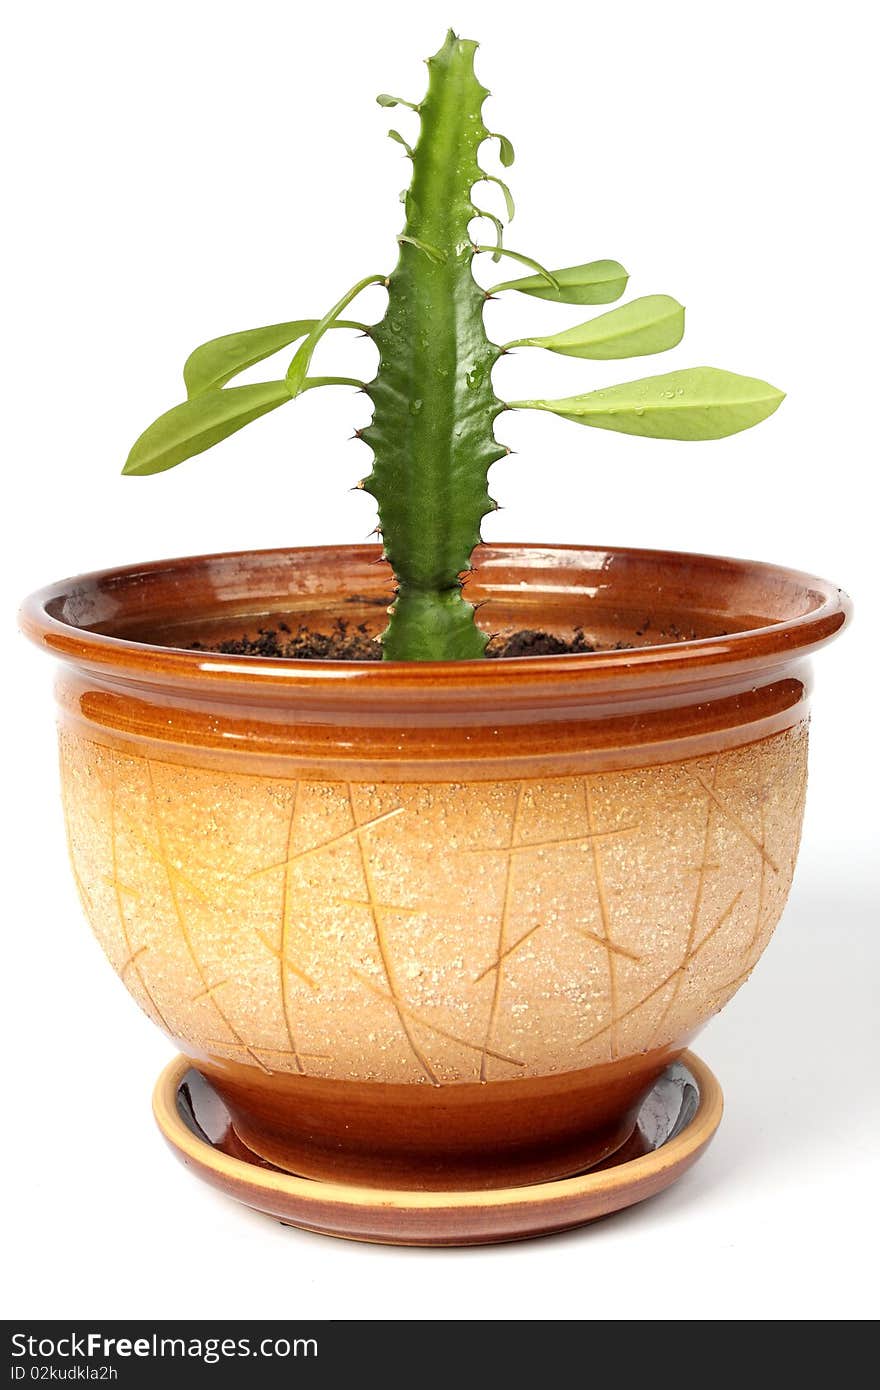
column 435, row 924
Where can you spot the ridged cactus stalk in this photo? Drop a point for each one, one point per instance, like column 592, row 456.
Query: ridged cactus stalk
column 434, row 404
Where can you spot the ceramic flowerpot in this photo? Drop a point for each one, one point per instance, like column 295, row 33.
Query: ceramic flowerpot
column 435, row 925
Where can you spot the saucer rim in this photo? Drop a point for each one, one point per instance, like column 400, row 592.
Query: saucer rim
column 674, row 1153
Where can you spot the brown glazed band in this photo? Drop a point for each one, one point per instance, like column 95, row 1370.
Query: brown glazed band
column 124, row 635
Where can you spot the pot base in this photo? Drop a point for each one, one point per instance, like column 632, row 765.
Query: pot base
column 461, row 1137
column 675, row 1124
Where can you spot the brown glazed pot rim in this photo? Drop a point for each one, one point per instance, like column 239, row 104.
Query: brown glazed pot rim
column 815, row 611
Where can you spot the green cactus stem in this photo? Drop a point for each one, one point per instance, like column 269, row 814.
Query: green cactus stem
column 434, row 407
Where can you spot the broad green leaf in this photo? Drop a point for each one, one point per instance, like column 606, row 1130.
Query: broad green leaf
column 597, row 282
column 196, row 424
column 218, row 361
column 698, row 403
column 653, row 323
column 211, row 365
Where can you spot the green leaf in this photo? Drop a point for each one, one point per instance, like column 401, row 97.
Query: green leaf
column 218, row 361
column 654, row 323
column 597, row 282
column 498, row 251
column 498, row 248
column 508, row 196
column 312, row 381
column 438, row 257
column 396, row 135
column 214, row 363
column 385, row 100
column 698, row 403
column 298, row 369
column 505, row 149
column 199, row 423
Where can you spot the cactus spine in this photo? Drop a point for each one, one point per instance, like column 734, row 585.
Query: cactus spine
column 434, row 406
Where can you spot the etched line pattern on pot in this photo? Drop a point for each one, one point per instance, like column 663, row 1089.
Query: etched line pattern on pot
column 762, row 881
column 502, row 931
column 287, row 962
column 286, row 902
column 531, row 845
column 276, row 1052
column 799, row 818
column 81, row 891
column 436, row 932
column 605, row 919
column 134, row 957
column 607, row 945
column 208, row 992
column 591, row 837
column 674, row 977
column 377, row 910
column 526, row 936
column 173, row 870
column 435, row 1028
column 129, row 962
column 353, row 834
column 725, row 810
column 181, row 919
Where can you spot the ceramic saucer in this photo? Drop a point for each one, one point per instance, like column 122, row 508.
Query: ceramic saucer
column 676, row 1122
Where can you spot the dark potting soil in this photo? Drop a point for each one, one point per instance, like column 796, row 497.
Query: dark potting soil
column 346, row 642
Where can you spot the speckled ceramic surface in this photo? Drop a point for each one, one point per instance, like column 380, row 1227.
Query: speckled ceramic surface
column 434, row 932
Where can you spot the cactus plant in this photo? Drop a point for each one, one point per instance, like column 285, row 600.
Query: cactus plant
column 432, row 431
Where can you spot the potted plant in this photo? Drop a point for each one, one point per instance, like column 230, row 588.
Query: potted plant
column 432, row 926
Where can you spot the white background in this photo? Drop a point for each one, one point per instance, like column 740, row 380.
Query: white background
column 191, row 167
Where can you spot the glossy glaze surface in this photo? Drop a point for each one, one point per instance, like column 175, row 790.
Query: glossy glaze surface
column 435, row 879
column 462, row 1136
